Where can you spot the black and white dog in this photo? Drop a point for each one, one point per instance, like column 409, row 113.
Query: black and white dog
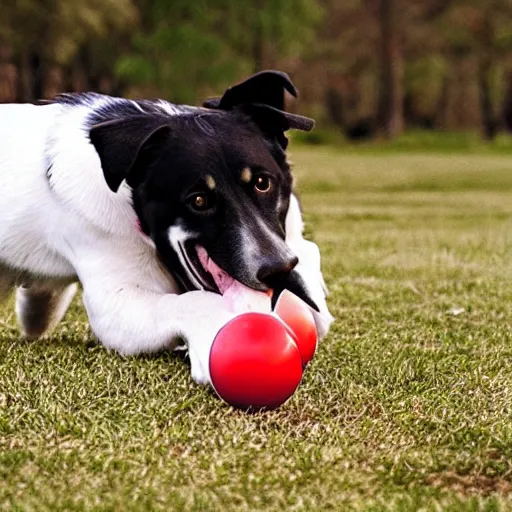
column 160, row 211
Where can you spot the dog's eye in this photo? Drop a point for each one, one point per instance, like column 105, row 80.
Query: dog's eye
column 262, row 184
column 200, row 202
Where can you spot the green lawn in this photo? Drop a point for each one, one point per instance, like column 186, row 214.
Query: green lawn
column 407, row 405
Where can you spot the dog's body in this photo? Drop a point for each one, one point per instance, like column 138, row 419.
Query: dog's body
column 97, row 190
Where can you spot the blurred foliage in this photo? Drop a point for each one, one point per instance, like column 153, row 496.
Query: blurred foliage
column 179, row 52
column 58, row 28
column 365, row 68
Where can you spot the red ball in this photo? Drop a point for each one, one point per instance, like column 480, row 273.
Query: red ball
column 254, row 363
column 297, row 315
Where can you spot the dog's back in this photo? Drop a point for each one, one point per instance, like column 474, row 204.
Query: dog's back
column 49, row 173
column 30, row 219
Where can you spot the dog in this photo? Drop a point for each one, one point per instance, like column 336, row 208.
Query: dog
column 159, row 211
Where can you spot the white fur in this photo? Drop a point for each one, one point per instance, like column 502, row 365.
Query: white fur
column 309, row 266
column 74, row 227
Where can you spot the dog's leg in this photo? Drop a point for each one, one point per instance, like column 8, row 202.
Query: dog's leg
column 309, row 266
column 40, row 307
column 131, row 320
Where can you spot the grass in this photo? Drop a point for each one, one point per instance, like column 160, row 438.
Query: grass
column 419, row 141
column 407, row 405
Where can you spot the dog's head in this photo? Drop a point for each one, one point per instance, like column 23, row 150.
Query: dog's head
column 212, row 186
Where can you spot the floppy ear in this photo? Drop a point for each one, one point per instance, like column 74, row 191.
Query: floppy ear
column 126, row 146
column 262, row 96
column 265, row 87
column 265, row 114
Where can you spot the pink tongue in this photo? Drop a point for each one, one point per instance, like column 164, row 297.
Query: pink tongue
column 222, row 279
column 239, row 298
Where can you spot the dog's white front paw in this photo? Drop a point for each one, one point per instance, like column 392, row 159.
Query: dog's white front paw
column 213, row 314
column 199, row 367
column 199, row 348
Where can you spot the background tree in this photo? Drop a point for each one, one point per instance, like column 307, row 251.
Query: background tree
column 390, row 113
column 365, row 67
column 48, row 35
column 186, row 48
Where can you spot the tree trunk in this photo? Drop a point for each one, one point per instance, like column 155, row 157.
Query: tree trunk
column 8, row 75
column 442, row 104
column 36, row 75
column 334, row 107
column 30, row 77
column 489, row 124
column 23, row 89
column 391, row 95
column 507, row 102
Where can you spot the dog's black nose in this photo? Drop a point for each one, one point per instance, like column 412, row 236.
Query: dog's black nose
column 274, row 267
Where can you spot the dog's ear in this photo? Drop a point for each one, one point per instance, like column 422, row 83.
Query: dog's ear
column 265, row 87
column 262, row 96
column 277, row 119
column 126, row 147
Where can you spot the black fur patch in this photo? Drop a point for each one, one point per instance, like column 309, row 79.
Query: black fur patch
column 106, row 108
column 166, row 158
column 167, row 153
